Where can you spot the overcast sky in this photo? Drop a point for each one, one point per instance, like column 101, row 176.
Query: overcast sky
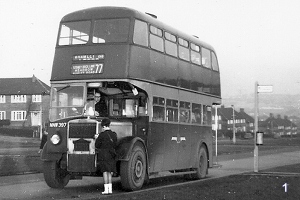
column 255, row 40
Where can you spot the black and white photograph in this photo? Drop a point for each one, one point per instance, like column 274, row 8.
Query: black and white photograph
column 150, row 100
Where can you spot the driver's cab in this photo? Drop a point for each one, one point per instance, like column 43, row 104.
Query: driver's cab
column 97, row 99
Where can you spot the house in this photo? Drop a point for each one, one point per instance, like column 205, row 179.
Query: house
column 24, row 101
column 278, row 126
column 229, row 119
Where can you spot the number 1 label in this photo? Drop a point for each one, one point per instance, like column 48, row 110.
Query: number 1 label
column 285, row 187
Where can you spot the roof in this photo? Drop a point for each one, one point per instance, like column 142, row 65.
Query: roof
column 118, row 12
column 23, row 86
column 227, row 113
column 245, row 116
column 279, row 122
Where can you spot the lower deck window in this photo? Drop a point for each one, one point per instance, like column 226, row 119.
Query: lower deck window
column 158, row 113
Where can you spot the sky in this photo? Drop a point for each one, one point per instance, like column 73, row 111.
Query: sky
column 255, row 40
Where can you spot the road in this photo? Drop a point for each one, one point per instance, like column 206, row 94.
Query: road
column 32, row 186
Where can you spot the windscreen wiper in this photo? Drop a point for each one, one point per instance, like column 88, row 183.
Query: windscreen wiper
column 67, row 86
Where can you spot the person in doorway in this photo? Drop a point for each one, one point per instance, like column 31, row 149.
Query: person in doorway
column 105, row 144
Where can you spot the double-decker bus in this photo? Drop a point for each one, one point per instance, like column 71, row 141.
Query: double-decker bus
column 158, row 85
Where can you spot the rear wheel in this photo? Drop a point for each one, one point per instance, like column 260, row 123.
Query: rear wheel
column 54, row 176
column 202, row 165
column 133, row 172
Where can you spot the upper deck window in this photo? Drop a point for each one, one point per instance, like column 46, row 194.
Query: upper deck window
column 140, row 35
column 206, row 58
column 170, row 43
column 72, row 33
column 183, row 49
column 156, row 40
column 111, row 30
column 214, row 62
column 195, row 54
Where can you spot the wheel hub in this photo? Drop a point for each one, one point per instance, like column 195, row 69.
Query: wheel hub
column 138, row 169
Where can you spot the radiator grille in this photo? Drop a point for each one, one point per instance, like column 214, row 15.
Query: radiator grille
column 81, row 145
column 82, row 130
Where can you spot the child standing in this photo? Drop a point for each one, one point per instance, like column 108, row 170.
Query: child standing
column 105, row 144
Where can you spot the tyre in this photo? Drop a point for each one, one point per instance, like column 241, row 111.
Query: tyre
column 202, row 165
column 133, row 172
column 54, row 176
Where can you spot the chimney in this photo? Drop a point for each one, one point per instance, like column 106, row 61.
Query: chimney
column 33, row 78
column 242, row 110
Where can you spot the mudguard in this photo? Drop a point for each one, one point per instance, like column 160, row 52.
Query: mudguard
column 200, row 144
column 45, row 156
column 126, row 145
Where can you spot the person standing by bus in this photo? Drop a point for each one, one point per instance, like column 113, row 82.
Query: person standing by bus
column 105, row 144
column 44, row 138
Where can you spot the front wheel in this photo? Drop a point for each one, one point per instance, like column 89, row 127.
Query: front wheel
column 133, row 172
column 54, row 176
column 202, row 165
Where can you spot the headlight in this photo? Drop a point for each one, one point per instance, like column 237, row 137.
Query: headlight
column 55, row 139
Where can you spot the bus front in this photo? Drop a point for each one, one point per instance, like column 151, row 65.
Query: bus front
column 91, row 57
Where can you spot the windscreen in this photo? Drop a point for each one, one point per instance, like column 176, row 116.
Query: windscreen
column 73, row 33
column 104, row 31
column 66, row 101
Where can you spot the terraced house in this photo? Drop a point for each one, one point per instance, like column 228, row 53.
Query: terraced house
column 24, row 102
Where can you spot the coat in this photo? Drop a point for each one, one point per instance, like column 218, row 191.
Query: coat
column 105, row 145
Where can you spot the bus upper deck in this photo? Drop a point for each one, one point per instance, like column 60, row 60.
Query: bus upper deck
column 121, row 43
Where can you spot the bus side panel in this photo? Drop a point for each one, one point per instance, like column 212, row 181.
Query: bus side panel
column 151, row 65
column 171, row 146
column 184, row 147
column 216, row 84
column 185, row 75
column 200, row 78
column 139, row 65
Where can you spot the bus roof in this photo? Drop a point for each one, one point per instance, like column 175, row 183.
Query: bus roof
column 120, row 12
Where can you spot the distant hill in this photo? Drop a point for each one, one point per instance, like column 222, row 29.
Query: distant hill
column 268, row 103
